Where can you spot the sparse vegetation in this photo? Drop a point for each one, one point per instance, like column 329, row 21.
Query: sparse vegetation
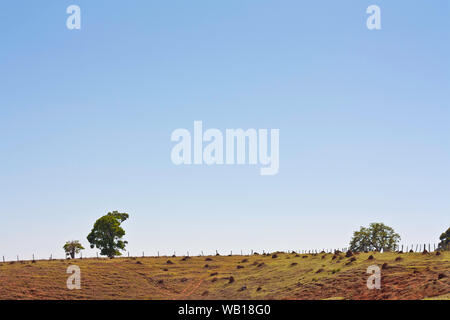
column 338, row 275
column 416, row 276
column 72, row 248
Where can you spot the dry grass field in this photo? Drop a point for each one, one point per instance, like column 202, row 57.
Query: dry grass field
column 280, row 276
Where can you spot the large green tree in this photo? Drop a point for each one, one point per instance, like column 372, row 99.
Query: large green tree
column 72, row 248
column 376, row 237
column 107, row 234
column 445, row 240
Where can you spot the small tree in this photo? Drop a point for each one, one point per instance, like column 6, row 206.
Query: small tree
column 445, row 240
column 107, row 233
column 72, row 248
column 376, row 237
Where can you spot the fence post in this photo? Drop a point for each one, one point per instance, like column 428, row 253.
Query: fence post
column 17, row 258
column 3, row 258
column 33, row 256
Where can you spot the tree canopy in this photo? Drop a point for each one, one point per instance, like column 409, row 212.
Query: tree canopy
column 445, row 240
column 377, row 236
column 107, row 234
column 72, row 248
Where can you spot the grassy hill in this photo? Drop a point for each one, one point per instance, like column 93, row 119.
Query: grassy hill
column 282, row 276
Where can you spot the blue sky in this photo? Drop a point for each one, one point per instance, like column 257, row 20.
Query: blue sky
column 86, row 117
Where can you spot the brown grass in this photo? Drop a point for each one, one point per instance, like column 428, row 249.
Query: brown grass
column 415, row 276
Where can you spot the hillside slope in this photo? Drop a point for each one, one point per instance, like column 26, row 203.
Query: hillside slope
column 286, row 276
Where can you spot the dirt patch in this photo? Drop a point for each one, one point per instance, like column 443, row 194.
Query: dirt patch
column 397, row 283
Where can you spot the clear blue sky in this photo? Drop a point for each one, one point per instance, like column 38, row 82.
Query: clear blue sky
column 86, row 118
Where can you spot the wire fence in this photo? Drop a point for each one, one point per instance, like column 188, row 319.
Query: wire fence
column 398, row 248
